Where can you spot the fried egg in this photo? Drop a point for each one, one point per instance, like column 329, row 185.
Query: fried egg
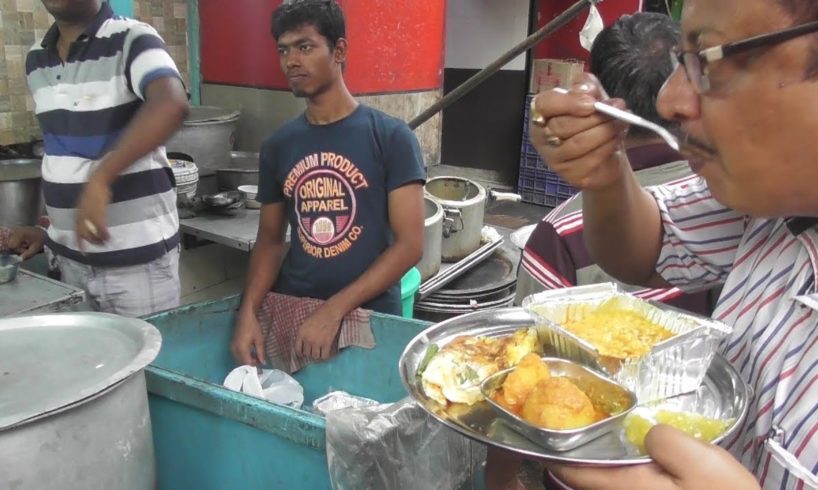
column 454, row 374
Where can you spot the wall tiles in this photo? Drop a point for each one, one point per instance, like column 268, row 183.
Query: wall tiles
column 169, row 17
column 22, row 22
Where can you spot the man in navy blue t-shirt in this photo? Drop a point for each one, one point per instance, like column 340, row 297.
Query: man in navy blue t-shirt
column 347, row 178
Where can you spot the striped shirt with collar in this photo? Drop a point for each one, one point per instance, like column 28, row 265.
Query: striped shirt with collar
column 83, row 106
column 555, row 255
column 768, row 268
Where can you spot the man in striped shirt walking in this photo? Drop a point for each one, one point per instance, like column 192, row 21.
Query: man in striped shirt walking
column 107, row 96
column 744, row 93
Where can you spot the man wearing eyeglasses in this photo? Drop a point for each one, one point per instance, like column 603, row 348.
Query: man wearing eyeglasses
column 743, row 92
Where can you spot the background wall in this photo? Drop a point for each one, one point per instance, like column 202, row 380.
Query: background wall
column 483, row 130
column 565, row 42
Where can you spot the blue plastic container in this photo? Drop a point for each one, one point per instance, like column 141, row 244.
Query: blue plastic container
column 537, row 184
column 208, row 437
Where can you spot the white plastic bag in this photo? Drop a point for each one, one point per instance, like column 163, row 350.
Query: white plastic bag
column 398, row 446
column 272, row 385
column 593, row 26
column 339, row 400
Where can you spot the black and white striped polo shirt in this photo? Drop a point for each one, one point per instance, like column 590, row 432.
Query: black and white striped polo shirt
column 83, row 106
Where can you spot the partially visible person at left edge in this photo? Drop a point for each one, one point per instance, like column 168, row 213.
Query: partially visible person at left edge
column 107, row 97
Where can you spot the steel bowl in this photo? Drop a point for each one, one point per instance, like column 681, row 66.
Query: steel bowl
column 605, row 394
column 8, row 267
column 242, row 170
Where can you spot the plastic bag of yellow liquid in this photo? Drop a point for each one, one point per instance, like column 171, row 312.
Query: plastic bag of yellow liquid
column 640, row 421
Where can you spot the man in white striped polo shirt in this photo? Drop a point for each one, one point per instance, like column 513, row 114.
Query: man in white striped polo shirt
column 107, row 96
column 745, row 93
column 631, row 59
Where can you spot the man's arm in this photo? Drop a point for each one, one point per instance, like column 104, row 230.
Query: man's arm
column 27, row 241
column 623, row 232
column 163, row 112
column 406, row 218
column 265, row 263
column 623, row 228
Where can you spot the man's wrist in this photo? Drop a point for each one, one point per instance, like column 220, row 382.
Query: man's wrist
column 335, row 307
column 247, row 309
column 104, row 174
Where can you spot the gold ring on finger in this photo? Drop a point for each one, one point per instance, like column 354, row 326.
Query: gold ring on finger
column 536, row 118
column 553, row 141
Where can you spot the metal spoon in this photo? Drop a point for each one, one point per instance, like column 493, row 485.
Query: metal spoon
column 631, row 119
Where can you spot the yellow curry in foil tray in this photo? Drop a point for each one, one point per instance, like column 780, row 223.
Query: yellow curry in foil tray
column 618, row 332
column 454, row 373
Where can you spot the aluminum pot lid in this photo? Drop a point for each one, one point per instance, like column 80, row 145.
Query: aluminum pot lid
column 203, row 114
column 51, row 363
column 432, row 211
column 455, row 192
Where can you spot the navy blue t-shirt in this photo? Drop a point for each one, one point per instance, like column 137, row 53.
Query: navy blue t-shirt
column 335, row 180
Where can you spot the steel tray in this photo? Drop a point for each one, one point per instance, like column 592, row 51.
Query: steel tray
column 723, row 394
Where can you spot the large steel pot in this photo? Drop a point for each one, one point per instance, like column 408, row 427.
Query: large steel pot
column 429, row 264
column 20, row 192
column 208, row 136
column 75, row 408
column 464, row 206
column 242, row 170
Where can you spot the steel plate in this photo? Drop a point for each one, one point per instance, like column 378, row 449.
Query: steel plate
column 464, row 307
column 494, row 274
column 480, row 298
column 722, row 395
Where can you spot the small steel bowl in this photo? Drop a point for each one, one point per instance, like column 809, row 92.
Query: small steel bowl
column 605, row 394
column 8, row 267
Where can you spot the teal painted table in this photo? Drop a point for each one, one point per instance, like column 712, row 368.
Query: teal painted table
column 208, row 437
column 122, row 7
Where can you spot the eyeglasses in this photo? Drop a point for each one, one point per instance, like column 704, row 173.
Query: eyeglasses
column 695, row 63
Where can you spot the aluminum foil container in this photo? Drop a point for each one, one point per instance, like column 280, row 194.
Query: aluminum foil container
column 672, row 367
column 604, row 393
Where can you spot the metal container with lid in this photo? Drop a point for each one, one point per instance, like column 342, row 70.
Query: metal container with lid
column 464, row 205
column 20, row 192
column 74, row 404
column 429, row 264
column 207, row 135
column 242, row 169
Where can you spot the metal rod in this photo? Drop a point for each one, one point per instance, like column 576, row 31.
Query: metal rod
column 567, row 16
column 442, row 279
